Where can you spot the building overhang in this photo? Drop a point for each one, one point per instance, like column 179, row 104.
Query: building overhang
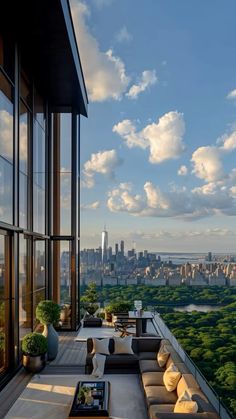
column 45, row 33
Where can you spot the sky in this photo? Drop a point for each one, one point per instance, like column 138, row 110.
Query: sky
column 158, row 150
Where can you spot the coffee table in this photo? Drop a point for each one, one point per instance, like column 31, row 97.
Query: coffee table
column 99, row 406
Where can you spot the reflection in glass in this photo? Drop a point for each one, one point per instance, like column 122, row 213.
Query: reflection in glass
column 39, row 179
column 65, row 173
column 62, row 270
column 65, row 203
column 4, row 304
column 6, row 150
column 39, row 112
column 25, row 304
column 23, row 164
column 39, row 265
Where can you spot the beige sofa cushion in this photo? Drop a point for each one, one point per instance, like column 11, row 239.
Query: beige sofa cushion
column 123, row 345
column 187, row 381
column 159, row 395
column 152, row 379
column 173, row 358
column 150, row 366
column 160, row 408
column 101, row 346
column 162, row 356
column 171, row 377
column 185, row 404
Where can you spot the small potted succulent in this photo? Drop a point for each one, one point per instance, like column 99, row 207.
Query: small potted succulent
column 48, row 313
column 34, row 348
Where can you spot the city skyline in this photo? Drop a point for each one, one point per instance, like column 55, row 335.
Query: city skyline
column 158, row 152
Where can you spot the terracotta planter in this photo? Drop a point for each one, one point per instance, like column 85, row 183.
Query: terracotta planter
column 108, row 316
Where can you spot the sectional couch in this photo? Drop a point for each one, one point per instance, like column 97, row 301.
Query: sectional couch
column 160, row 402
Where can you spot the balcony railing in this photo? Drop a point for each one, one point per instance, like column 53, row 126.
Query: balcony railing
column 212, row 396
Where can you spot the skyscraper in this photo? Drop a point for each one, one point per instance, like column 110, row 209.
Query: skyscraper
column 104, row 245
column 122, row 247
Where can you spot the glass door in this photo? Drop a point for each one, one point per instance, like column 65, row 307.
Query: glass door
column 4, row 299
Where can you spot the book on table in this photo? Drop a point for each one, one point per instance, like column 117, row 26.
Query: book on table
column 91, row 399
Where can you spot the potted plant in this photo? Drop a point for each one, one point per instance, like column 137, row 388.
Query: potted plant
column 90, row 298
column 117, row 307
column 48, row 313
column 34, row 347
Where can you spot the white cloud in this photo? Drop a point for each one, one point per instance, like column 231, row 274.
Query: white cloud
column 183, row 235
column 183, row 170
column 101, row 3
column 123, row 35
column 93, row 206
column 232, row 94
column 103, row 162
column 6, row 134
column 207, row 163
column 210, row 199
column 229, row 142
column 127, row 130
column 105, row 73
column 148, row 78
column 164, row 138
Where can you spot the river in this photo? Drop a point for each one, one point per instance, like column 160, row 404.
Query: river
column 197, row 307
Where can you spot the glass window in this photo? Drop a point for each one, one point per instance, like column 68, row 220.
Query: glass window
column 39, row 109
column 65, row 173
column 25, row 291
column 62, row 270
column 39, row 265
column 23, row 163
column 39, row 292
column 6, row 150
column 39, row 179
column 4, row 301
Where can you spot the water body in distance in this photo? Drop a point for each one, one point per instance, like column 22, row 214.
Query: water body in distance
column 204, row 308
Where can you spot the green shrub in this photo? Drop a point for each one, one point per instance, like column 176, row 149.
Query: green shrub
column 119, row 307
column 48, row 312
column 34, row 344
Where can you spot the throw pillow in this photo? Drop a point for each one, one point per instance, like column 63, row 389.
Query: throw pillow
column 162, row 356
column 123, row 345
column 185, row 404
column 101, row 346
column 171, row 377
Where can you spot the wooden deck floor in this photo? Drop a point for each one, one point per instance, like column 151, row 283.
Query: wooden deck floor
column 70, row 360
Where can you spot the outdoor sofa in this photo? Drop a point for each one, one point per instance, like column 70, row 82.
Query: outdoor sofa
column 160, row 402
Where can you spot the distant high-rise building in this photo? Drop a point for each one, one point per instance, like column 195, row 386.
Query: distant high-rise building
column 145, row 254
column 104, row 245
column 209, row 257
column 109, row 253
column 122, row 247
column 116, row 249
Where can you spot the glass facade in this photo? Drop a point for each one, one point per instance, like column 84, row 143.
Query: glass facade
column 38, row 218
column 4, row 301
column 39, row 186
column 6, row 149
column 25, row 289
column 39, row 139
column 24, row 136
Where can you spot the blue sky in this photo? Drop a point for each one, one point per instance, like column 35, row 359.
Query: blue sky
column 158, row 149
